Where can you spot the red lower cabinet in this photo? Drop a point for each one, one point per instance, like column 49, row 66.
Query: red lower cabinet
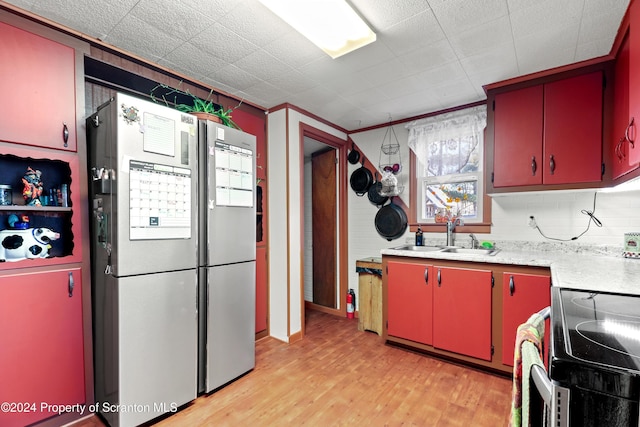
column 410, row 301
column 522, row 295
column 41, row 345
column 462, row 311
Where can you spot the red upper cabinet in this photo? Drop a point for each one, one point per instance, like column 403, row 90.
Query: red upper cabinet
column 37, row 83
column 518, row 137
column 410, row 301
column 549, row 133
column 634, row 80
column 522, row 296
column 572, row 138
column 462, row 311
column 619, row 145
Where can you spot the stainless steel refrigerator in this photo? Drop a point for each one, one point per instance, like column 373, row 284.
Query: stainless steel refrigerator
column 226, row 254
column 143, row 169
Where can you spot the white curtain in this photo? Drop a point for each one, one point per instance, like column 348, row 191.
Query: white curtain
column 457, row 126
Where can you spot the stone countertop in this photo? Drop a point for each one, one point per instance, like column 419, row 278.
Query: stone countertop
column 576, row 270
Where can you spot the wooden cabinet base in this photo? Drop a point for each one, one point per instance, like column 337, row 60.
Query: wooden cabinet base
column 428, row 350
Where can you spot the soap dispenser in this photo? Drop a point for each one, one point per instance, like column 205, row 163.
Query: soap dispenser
column 419, row 241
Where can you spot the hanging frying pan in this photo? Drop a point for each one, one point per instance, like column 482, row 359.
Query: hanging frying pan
column 361, row 179
column 391, row 221
column 374, row 193
column 354, row 155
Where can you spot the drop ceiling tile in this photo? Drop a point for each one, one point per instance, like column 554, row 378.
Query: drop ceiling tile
column 292, row 82
column 382, row 14
column 386, row 72
column 256, row 23
column 456, row 16
column 482, row 37
column 23, row 4
column 437, row 76
column 223, row 43
column 546, row 49
column 266, row 91
column 235, row 76
column 262, row 65
column 294, row 50
column 541, row 16
column 206, row 64
column 173, row 18
column 428, row 57
column 92, row 17
column 214, row 10
column 136, row 36
column 416, row 32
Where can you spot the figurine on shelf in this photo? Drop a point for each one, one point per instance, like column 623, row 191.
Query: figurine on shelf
column 17, row 245
column 32, row 187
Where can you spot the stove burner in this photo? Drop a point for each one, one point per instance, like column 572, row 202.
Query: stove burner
column 602, row 328
column 611, row 334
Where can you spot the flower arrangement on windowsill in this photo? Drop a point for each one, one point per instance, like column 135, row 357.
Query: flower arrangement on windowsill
column 202, row 108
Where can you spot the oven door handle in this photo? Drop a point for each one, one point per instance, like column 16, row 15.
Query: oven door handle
column 545, row 313
column 555, row 397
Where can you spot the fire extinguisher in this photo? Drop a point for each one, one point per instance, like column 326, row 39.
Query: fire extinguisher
column 351, row 303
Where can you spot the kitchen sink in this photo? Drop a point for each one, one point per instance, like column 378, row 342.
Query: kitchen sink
column 478, row 251
column 418, row 248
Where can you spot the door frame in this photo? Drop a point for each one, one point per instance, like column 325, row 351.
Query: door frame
column 341, row 147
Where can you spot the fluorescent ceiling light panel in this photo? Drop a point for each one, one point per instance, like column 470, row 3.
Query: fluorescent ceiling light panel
column 332, row 25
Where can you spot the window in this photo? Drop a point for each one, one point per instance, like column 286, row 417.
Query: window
column 449, row 158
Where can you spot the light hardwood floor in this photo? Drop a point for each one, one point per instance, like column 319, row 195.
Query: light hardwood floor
column 339, row 376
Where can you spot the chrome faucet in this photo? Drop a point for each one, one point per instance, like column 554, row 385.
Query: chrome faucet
column 474, row 242
column 451, row 226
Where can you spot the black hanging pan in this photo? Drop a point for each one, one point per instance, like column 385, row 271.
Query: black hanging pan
column 391, row 221
column 361, row 179
column 354, row 155
column 374, row 193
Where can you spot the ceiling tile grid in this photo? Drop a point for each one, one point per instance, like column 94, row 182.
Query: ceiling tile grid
column 429, row 54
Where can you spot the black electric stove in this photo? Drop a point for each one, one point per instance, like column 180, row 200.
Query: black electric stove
column 596, row 355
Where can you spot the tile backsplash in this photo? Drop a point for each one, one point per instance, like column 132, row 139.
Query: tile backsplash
column 560, row 215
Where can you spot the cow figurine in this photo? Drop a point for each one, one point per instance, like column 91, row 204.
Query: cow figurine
column 16, row 245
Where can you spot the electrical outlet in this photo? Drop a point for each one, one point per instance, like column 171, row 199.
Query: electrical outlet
column 532, row 222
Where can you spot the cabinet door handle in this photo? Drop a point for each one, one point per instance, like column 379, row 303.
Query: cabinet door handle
column 511, row 286
column 426, row 275
column 71, row 284
column 619, row 154
column 439, row 278
column 534, row 166
column 552, row 164
column 626, row 133
column 65, row 133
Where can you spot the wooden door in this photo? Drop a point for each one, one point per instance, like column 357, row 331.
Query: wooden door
column 518, row 137
column 522, row 295
column 38, row 86
column 324, row 210
column 42, row 356
column 462, row 311
column 573, row 130
column 410, row 301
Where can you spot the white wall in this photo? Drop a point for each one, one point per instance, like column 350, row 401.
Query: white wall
column 286, row 227
column 558, row 214
column 364, row 240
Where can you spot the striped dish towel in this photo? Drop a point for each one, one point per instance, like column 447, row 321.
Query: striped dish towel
column 528, row 352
